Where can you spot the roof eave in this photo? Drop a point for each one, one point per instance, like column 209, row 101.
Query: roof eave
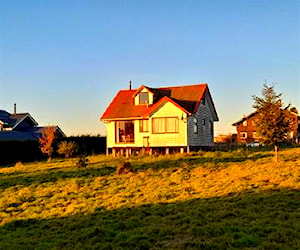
column 121, row 118
column 27, row 115
column 162, row 101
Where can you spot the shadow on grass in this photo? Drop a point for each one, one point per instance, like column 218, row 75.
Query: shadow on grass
column 193, row 161
column 100, row 169
column 53, row 175
column 248, row 220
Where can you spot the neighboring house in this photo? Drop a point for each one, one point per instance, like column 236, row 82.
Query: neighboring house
column 21, row 127
column 170, row 119
column 247, row 128
column 226, row 139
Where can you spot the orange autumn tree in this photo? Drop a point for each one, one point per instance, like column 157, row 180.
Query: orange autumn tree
column 46, row 141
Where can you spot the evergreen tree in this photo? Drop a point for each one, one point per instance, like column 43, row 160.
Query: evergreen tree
column 273, row 124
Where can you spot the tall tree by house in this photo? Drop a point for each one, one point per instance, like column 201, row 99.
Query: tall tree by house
column 274, row 124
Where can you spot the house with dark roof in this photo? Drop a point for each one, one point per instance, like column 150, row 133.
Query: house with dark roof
column 21, row 127
column 169, row 119
column 247, row 128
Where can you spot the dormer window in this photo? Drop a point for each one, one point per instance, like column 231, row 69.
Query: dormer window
column 144, row 98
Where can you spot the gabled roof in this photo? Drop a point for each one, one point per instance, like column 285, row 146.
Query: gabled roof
column 33, row 133
column 122, row 107
column 41, row 130
column 187, row 98
column 244, row 118
column 141, row 88
column 4, row 117
column 16, row 131
column 17, row 119
column 160, row 103
column 13, row 120
column 254, row 113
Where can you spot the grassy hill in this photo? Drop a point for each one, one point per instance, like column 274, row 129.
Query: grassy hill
column 205, row 200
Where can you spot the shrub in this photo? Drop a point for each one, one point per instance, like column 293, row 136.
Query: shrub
column 67, row 148
column 19, row 166
column 82, row 162
column 124, row 168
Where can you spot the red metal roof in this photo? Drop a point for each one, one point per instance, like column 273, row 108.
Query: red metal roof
column 185, row 97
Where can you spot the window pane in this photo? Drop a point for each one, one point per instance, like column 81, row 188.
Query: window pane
column 158, row 125
column 124, row 131
column 171, row 125
column 144, row 125
column 144, row 97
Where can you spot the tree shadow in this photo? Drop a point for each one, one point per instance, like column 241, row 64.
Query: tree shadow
column 266, row 220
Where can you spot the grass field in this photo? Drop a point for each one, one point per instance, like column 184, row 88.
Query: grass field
column 205, row 200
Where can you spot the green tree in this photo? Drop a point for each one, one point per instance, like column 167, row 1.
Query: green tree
column 274, row 124
column 67, row 148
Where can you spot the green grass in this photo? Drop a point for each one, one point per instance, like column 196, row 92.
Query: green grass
column 206, row 200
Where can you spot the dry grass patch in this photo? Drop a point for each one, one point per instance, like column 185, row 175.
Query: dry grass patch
column 238, row 199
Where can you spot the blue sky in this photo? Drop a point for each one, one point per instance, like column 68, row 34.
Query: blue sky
column 64, row 61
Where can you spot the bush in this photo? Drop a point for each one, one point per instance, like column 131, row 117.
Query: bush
column 67, row 148
column 82, row 163
column 87, row 145
column 19, row 166
column 124, row 168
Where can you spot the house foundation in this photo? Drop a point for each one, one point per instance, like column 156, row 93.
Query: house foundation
column 131, row 151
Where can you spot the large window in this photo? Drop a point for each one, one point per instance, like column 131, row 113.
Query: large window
column 144, row 98
column 124, row 131
column 165, row 125
column 144, row 125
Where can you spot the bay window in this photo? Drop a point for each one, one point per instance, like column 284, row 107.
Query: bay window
column 124, row 131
